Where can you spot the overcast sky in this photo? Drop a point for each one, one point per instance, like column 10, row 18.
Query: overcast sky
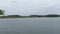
column 27, row 7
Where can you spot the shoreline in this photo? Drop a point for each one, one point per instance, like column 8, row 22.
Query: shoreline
column 27, row 17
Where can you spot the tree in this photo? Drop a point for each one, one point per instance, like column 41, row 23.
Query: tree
column 2, row 12
column 52, row 15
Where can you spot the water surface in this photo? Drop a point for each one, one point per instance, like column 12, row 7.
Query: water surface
column 30, row 26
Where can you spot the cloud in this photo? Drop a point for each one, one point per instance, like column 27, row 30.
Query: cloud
column 27, row 7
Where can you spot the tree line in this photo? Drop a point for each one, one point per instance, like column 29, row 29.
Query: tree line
column 49, row 15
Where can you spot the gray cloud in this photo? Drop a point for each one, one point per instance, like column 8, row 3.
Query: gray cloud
column 27, row 7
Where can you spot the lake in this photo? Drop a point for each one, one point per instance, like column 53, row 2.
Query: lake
column 30, row 26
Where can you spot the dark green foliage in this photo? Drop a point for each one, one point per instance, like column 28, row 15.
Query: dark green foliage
column 1, row 12
column 33, row 15
column 52, row 15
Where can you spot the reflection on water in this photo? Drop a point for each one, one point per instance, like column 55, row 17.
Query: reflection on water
column 30, row 26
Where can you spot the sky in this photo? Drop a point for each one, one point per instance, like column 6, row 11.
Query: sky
column 30, row 7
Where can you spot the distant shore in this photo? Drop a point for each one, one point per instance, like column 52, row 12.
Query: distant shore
column 30, row 16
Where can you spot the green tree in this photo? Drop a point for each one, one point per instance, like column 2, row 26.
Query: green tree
column 2, row 12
